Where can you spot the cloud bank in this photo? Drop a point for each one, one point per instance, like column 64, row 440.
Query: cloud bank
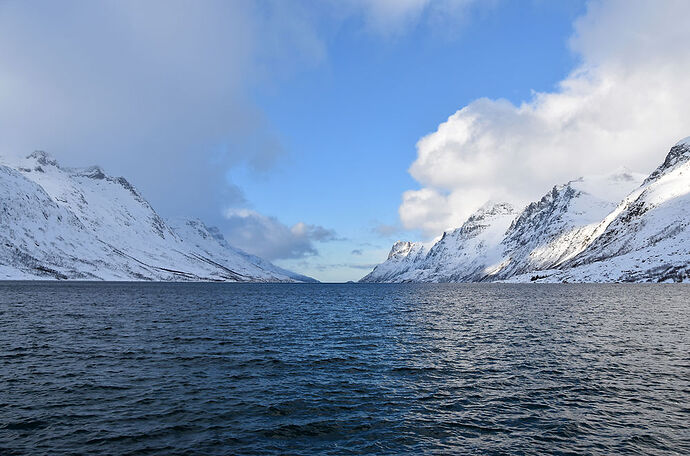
column 625, row 104
column 160, row 91
column 268, row 238
column 156, row 90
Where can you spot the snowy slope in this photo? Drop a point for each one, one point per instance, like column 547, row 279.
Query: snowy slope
column 403, row 257
column 646, row 237
column 83, row 224
column 461, row 255
column 558, row 226
column 209, row 244
column 597, row 229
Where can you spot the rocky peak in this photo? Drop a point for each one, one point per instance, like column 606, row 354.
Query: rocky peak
column 477, row 222
column 43, row 158
column 400, row 249
column 541, row 216
column 216, row 234
column 546, row 205
column 492, row 209
column 93, row 172
column 679, row 154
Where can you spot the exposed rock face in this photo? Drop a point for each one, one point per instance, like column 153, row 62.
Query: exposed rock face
column 678, row 155
column 60, row 223
column 619, row 227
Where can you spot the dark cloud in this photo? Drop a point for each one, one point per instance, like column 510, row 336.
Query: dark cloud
column 155, row 90
column 268, row 238
column 357, row 252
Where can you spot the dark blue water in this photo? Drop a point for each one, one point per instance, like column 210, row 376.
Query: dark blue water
column 224, row 369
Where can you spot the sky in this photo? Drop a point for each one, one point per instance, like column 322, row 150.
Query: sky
column 317, row 133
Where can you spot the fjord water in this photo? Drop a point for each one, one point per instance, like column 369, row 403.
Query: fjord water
column 221, row 369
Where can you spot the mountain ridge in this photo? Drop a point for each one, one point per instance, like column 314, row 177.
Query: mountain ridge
column 618, row 227
column 83, row 224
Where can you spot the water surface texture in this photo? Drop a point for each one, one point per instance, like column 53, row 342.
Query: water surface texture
column 224, row 369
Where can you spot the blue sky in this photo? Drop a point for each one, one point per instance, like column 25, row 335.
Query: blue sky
column 350, row 124
column 315, row 133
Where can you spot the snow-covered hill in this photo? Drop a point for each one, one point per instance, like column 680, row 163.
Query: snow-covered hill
column 598, row 229
column 83, row 224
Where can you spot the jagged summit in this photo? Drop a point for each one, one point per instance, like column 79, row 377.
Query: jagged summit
column 38, row 159
column 43, row 158
column 679, row 154
column 683, row 141
column 555, row 200
column 400, row 249
column 613, row 227
column 92, row 172
column 492, row 208
column 482, row 219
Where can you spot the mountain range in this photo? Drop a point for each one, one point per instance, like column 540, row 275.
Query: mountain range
column 621, row 227
column 82, row 224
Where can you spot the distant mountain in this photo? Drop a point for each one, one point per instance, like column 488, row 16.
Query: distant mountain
column 460, row 255
column 619, row 227
column 403, row 257
column 82, row 224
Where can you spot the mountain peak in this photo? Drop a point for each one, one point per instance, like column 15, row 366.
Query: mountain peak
column 93, row 172
column 43, row 158
column 491, row 208
column 679, row 154
column 400, row 249
column 684, row 141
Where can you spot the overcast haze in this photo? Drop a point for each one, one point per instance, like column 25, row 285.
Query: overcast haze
column 316, row 133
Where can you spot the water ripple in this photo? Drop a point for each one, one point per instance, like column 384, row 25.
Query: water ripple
column 221, row 369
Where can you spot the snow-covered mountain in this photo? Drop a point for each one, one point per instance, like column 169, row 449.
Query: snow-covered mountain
column 552, row 230
column 461, row 255
column 63, row 223
column 617, row 227
column 646, row 237
column 403, row 257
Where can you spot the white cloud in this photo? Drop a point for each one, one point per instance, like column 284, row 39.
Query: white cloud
column 626, row 104
column 268, row 238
